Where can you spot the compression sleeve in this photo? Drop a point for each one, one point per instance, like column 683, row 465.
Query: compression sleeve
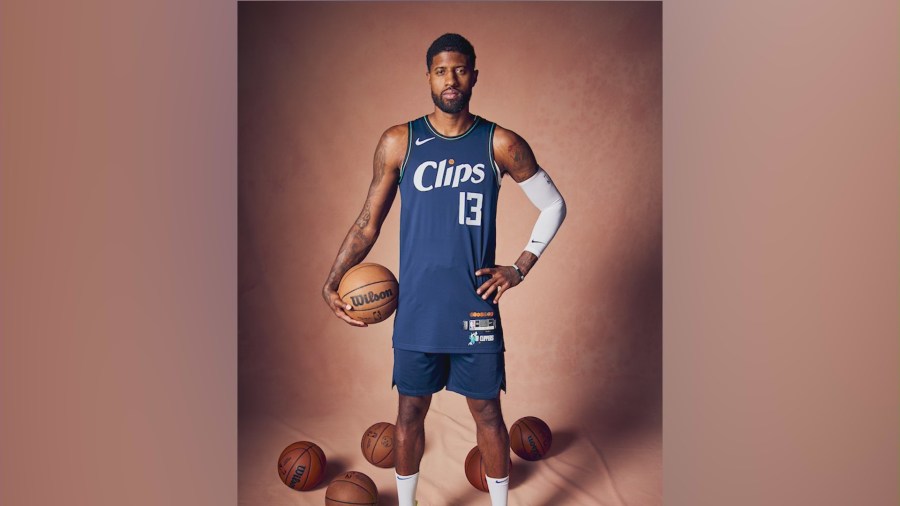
column 543, row 194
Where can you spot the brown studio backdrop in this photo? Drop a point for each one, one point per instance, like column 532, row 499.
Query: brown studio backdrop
column 318, row 84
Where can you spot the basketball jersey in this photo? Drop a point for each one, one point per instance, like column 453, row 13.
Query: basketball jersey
column 448, row 192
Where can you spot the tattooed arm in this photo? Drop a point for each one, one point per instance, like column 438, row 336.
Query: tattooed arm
column 514, row 157
column 362, row 235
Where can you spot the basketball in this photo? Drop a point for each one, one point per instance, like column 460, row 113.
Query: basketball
column 351, row 488
column 530, row 438
column 475, row 470
column 378, row 445
column 301, row 465
column 372, row 291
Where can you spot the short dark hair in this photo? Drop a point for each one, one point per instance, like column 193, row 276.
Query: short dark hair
column 450, row 42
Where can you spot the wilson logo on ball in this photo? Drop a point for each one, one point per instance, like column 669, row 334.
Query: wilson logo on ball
column 297, row 475
column 368, row 298
column 534, row 449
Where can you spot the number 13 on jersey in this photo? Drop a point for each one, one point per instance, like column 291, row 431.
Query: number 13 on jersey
column 470, row 208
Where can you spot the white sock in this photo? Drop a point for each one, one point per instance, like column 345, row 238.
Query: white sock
column 406, row 489
column 499, row 489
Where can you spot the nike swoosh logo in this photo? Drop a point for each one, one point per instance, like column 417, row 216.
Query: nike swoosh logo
column 539, row 242
column 419, row 142
column 501, row 481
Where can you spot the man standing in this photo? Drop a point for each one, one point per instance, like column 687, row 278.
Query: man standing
column 447, row 329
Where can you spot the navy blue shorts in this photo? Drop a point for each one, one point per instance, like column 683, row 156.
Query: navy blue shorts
column 474, row 375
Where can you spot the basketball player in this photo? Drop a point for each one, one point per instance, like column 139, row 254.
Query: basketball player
column 447, row 329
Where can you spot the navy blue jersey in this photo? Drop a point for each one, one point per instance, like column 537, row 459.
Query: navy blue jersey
column 448, row 193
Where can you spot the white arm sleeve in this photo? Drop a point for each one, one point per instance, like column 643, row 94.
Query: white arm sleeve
column 543, row 194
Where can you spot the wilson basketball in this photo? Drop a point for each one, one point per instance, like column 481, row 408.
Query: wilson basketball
column 475, row 472
column 530, row 438
column 301, row 465
column 372, row 291
column 351, row 488
column 378, row 445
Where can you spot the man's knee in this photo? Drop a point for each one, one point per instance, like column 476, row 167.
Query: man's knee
column 412, row 411
column 486, row 413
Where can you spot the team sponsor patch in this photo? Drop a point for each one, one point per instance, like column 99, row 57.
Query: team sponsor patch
column 490, row 324
column 481, row 314
column 474, row 338
column 484, row 324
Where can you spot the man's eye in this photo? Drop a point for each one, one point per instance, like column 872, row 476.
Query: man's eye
column 461, row 71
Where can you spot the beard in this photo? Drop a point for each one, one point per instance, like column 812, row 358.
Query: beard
column 452, row 106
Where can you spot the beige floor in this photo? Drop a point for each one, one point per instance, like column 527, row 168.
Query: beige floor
column 586, row 465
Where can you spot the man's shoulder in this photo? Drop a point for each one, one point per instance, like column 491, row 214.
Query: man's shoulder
column 395, row 137
column 397, row 131
column 513, row 154
column 504, row 137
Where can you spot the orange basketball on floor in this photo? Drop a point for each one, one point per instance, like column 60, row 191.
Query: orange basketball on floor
column 301, row 465
column 378, row 444
column 475, row 470
column 530, row 438
column 351, row 488
column 372, row 291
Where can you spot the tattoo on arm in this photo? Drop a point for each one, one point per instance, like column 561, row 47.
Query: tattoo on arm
column 361, row 237
column 355, row 246
column 520, row 162
column 517, row 154
column 380, row 164
column 364, row 217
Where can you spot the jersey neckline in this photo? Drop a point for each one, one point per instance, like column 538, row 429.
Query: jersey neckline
column 460, row 136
